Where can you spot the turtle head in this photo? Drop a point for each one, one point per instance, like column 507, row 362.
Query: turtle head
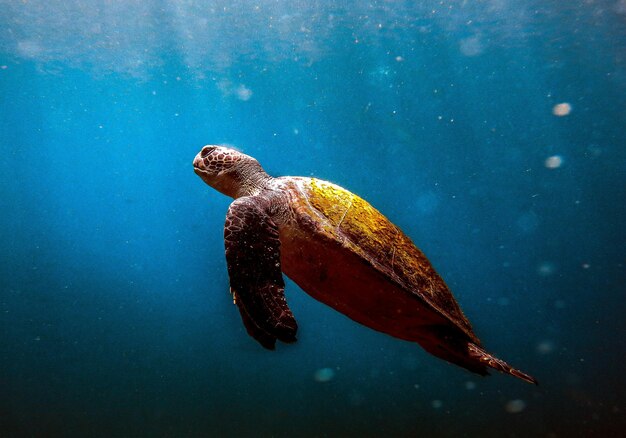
column 229, row 171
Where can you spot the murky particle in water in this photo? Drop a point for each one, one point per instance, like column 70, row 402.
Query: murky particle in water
column 471, row 46
column 4, row 67
column 416, row 386
column 324, row 375
column 243, row 93
column 399, row 58
column 37, row 338
column 559, row 304
column 573, row 379
column 553, row 162
column 515, row 406
column 29, row 48
column 528, row 222
column 562, row 109
column 594, row 150
column 410, row 363
column 545, row 347
column 356, row 398
column 437, row 404
column 427, row 202
column 469, row 385
column 503, row 301
column 296, row 131
column 585, row 266
column 546, row 269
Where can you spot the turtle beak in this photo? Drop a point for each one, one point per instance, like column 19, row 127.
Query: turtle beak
column 198, row 163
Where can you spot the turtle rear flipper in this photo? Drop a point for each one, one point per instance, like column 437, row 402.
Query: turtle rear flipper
column 481, row 355
column 256, row 281
column 449, row 344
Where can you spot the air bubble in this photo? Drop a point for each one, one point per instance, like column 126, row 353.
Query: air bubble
column 437, row 404
column 562, row 109
column 471, row 46
column 324, row 375
column 553, row 162
column 546, row 269
column 545, row 347
column 515, row 406
column 243, row 93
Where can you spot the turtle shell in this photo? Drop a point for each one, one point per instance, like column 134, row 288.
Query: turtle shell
column 347, row 230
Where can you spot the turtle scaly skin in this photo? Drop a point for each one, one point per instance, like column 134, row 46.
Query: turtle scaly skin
column 341, row 251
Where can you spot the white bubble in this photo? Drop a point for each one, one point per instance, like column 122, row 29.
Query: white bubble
column 436, row 404
column 324, row 375
column 243, row 93
column 515, row 406
column 553, row 162
column 561, row 109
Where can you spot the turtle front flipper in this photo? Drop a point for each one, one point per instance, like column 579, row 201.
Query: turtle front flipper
column 256, row 280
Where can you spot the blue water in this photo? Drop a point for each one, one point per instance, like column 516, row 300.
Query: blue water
column 115, row 316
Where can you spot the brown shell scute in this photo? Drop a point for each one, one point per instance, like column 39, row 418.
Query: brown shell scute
column 366, row 231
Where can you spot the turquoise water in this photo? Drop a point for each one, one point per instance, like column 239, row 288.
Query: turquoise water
column 492, row 132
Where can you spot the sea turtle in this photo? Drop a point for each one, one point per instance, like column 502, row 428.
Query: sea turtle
column 341, row 251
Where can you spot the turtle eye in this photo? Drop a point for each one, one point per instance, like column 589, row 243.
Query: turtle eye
column 206, row 151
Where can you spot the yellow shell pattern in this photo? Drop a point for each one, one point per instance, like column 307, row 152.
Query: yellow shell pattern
column 366, row 231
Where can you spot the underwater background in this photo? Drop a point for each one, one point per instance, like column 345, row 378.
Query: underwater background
column 492, row 132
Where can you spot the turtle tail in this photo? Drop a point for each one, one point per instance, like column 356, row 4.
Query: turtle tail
column 478, row 354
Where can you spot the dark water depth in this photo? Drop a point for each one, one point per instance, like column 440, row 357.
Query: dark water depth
column 492, row 132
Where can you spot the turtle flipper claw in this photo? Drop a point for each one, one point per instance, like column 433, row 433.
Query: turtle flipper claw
column 265, row 339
